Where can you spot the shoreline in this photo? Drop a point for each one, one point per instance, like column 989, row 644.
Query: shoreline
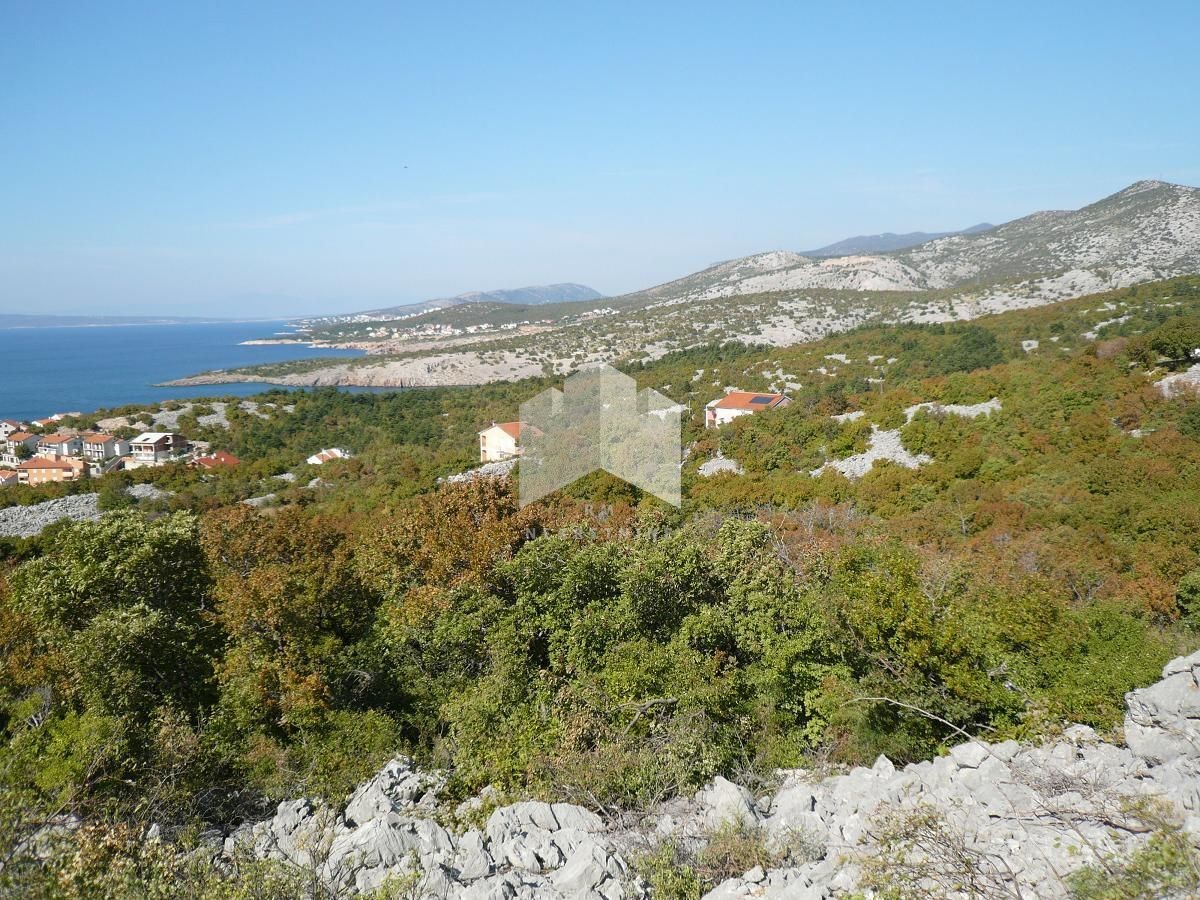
column 438, row 370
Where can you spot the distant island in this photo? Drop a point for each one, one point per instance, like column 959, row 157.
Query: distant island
column 15, row 320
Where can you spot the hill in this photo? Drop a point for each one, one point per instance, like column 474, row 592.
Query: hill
column 1033, row 557
column 888, row 241
column 526, row 296
column 1149, row 230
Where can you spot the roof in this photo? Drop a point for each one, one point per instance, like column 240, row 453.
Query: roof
column 325, row 456
column 514, row 429
column 747, row 400
column 97, row 438
column 19, row 436
column 151, row 437
column 59, row 438
column 39, row 462
column 12, row 422
column 220, row 458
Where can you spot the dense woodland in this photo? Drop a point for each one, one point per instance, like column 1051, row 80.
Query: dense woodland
column 190, row 661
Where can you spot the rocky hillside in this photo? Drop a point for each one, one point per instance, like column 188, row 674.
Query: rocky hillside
column 985, row 820
column 1149, row 230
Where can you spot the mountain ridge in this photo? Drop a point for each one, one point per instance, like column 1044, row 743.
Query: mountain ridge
column 888, row 241
column 1148, row 230
column 535, row 295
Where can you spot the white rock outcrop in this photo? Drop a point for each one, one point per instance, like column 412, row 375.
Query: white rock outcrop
column 1024, row 816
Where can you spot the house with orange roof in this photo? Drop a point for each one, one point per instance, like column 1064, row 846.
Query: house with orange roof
column 41, row 470
column 56, row 446
column 725, row 409
column 15, row 441
column 502, row 440
column 222, row 458
column 98, row 447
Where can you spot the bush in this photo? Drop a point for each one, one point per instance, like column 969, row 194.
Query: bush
column 1187, row 595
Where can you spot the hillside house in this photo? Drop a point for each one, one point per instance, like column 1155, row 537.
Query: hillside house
column 725, row 409
column 41, row 470
column 156, row 447
column 327, row 455
column 99, row 447
column 8, row 426
column 57, row 446
column 502, row 440
column 9, row 477
column 220, row 459
column 20, row 439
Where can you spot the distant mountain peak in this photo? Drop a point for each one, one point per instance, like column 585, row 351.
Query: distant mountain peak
column 888, row 241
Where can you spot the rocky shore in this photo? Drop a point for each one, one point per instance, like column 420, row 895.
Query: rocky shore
column 987, row 819
column 438, row 370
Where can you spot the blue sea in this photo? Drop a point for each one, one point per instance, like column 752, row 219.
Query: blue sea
column 49, row 370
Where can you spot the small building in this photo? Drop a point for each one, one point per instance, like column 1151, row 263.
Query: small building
column 18, row 439
column 502, row 440
column 725, row 409
column 99, row 447
column 56, row 446
column 9, row 477
column 220, row 459
column 41, row 470
column 156, row 447
column 9, row 426
column 328, row 455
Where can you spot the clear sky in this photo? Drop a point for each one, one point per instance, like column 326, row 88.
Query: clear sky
column 264, row 159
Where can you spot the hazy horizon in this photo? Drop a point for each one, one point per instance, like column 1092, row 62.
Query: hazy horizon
column 290, row 159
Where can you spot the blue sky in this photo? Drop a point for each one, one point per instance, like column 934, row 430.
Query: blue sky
column 291, row 158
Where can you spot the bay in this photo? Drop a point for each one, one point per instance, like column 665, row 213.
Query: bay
column 66, row 369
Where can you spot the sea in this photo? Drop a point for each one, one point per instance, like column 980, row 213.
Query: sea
column 66, row 369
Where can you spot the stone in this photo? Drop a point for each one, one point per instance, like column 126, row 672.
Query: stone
column 472, row 859
column 725, row 802
column 1042, row 806
column 971, row 754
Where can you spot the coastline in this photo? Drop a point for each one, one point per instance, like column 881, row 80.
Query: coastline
column 440, row 370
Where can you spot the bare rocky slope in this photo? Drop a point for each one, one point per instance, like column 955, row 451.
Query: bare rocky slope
column 1005, row 819
column 1148, row 231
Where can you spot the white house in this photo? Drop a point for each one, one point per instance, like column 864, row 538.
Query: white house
column 502, row 440
column 325, row 456
column 740, row 403
column 155, row 447
column 8, row 426
column 18, row 439
column 99, row 447
column 56, row 446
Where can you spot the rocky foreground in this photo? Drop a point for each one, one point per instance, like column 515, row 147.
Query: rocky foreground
column 1004, row 819
column 27, row 521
